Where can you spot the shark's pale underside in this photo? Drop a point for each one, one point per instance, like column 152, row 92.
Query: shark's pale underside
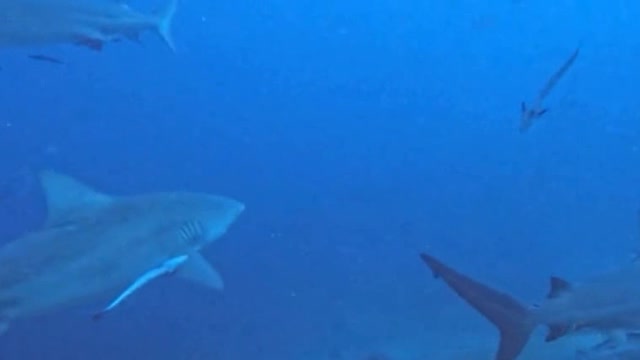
column 94, row 244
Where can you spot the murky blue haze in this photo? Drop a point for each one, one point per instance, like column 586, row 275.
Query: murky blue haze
column 358, row 133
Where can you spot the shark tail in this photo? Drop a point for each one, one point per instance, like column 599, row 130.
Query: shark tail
column 514, row 321
column 165, row 20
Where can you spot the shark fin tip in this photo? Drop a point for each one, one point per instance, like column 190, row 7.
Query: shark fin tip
column 197, row 269
column 165, row 21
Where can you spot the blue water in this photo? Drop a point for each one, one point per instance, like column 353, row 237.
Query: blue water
column 358, row 134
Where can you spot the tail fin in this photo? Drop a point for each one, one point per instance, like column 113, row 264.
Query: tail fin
column 513, row 320
column 165, row 19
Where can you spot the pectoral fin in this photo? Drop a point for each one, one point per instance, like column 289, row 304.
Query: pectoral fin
column 165, row 268
column 198, row 270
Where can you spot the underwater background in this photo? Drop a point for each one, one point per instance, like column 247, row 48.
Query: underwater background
column 358, row 134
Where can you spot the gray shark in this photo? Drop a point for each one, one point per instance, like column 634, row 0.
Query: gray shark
column 608, row 304
column 90, row 23
column 93, row 244
column 528, row 115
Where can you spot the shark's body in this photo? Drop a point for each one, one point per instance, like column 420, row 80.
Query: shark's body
column 609, row 304
column 528, row 115
column 629, row 349
column 93, row 244
column 90, row 23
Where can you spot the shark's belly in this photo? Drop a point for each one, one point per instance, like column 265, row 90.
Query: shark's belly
column 77, row 281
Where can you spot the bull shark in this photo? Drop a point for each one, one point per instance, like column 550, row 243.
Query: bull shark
column 528, row 115
column 94, row 244
column 90, row 23
column 608, row 304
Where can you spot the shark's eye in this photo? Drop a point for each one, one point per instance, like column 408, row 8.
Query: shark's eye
column 192, row 231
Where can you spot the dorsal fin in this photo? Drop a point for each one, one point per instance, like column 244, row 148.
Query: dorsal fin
column 559, row 286
column 67, row 197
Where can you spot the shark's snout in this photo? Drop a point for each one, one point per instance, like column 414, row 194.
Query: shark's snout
column 232, row 209
column 221, row 214
column 239, row 208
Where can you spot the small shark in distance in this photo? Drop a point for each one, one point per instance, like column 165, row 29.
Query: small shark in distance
column 609, row 305
column 90, row 23
column 93, row 244
column 530, row 114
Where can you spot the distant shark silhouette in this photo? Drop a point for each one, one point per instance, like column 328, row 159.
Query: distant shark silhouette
column 90, row 23
column 610, row 304
column 530, row 114
column 94, row 244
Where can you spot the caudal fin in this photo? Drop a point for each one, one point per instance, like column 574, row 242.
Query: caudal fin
column 165, row 19
column 512, row 319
